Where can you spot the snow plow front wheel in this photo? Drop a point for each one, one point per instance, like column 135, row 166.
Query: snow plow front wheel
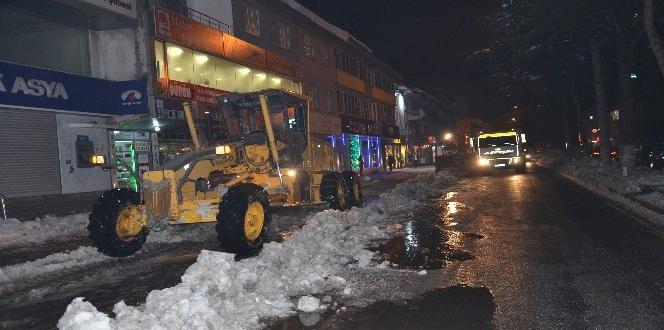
column 243, row 219
column 115, row 226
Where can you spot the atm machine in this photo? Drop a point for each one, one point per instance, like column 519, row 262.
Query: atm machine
column 132, row 157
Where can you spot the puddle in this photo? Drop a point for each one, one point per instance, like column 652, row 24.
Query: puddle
column 428, row 241
column 456, row 307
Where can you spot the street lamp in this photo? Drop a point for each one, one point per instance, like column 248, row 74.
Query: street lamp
column 447, row 136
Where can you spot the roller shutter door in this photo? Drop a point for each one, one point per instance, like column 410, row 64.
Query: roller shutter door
column 29, row 164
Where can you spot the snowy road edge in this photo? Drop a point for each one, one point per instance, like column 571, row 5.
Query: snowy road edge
column 644, row 212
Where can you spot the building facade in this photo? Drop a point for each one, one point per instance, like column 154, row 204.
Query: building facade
column 92, row 91
column 70, row 73
column 352, row 91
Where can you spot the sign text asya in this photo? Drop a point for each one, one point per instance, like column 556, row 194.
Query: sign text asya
column 35, row 87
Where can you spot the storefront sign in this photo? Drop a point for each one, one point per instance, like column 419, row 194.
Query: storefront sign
column 122, row 7
column 30, row 87
column 192, row 92
column 354, row 125
column 324, row 124
column 187, row 32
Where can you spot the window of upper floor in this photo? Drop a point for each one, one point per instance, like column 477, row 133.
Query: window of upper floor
column 284, row 36
column 252, row 21
column 308, row 45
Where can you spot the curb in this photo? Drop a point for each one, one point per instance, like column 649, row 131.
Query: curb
column 648, row 214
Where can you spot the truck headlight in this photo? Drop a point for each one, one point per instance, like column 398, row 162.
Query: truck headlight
column 291, row 173
column 516, row 160
column 483, row 162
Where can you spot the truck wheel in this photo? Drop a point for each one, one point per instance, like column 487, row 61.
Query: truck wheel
column 115, row 226
column 353, row 189
column 333, row 189
column 243, row 219
column 520, row 169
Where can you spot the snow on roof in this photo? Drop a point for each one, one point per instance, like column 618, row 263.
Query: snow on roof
column 340, row 33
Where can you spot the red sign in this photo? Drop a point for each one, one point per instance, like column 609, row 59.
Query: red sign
column 192, row 92
column 281, row 65
column 187, row 32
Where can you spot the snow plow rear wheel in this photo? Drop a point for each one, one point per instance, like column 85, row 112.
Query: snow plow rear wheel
column 103, row 225
column 333, row 189
column 353, row 189
column 240, row 229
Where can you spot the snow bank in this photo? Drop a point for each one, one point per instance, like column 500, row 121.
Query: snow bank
column 14, row 232
column 14, row 275
column 219, row 292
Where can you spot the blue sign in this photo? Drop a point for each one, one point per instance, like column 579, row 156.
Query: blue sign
column 32, row 87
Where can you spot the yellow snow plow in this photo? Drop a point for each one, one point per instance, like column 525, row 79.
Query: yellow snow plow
column 274, row 162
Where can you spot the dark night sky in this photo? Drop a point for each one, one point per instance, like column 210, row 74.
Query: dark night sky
column 426, row 40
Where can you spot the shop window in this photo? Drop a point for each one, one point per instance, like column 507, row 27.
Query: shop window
column 160, row 64
column 204, row 70
column 273, row 82
column 260, row 81
column 252, row 21
column 224, row 74
column 244, row 79
column 180, row 63
column 308, row 46
column 284, row 36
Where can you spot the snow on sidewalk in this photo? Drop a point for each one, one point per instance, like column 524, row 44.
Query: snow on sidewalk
column 14, row 232
column 13, row 276
column 222, row 293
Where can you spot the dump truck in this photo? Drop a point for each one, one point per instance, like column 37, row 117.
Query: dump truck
column 274, row 161
column 501, row 150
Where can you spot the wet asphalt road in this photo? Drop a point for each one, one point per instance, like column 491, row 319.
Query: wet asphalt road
column 512, row 251
column 501, row 251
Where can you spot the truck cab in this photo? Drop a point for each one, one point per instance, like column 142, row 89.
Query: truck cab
column 501, row 150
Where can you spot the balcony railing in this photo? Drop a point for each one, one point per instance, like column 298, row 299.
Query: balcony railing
column 209, row 21
column 180, row 7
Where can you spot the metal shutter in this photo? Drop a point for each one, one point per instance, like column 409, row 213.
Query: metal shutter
column 29, row 163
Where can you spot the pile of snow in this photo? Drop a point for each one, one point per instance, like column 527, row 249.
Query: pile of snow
column 608, row 176
column 655, row 199
column 14, row 232
column 219, row 292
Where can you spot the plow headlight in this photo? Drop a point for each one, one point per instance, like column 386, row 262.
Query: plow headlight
column 483, row 162
column 223, row 150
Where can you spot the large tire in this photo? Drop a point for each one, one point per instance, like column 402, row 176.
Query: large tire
column 237, row 230
column 103, row 222
column 333, row 190
column 353, row 189
column 521, row 168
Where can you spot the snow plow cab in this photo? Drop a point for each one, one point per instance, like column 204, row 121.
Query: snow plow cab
column 271, row 161
column 501, row 150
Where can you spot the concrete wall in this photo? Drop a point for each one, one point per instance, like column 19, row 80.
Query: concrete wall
column 113, row 54
column 73, row 178
column 62, row 50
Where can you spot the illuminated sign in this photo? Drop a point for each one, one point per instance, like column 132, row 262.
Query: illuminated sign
column 29, row 87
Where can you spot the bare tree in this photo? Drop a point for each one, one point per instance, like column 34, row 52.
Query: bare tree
column 602, row 107
column 656, row 43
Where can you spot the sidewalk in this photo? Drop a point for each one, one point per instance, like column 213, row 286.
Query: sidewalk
column 642, row 191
